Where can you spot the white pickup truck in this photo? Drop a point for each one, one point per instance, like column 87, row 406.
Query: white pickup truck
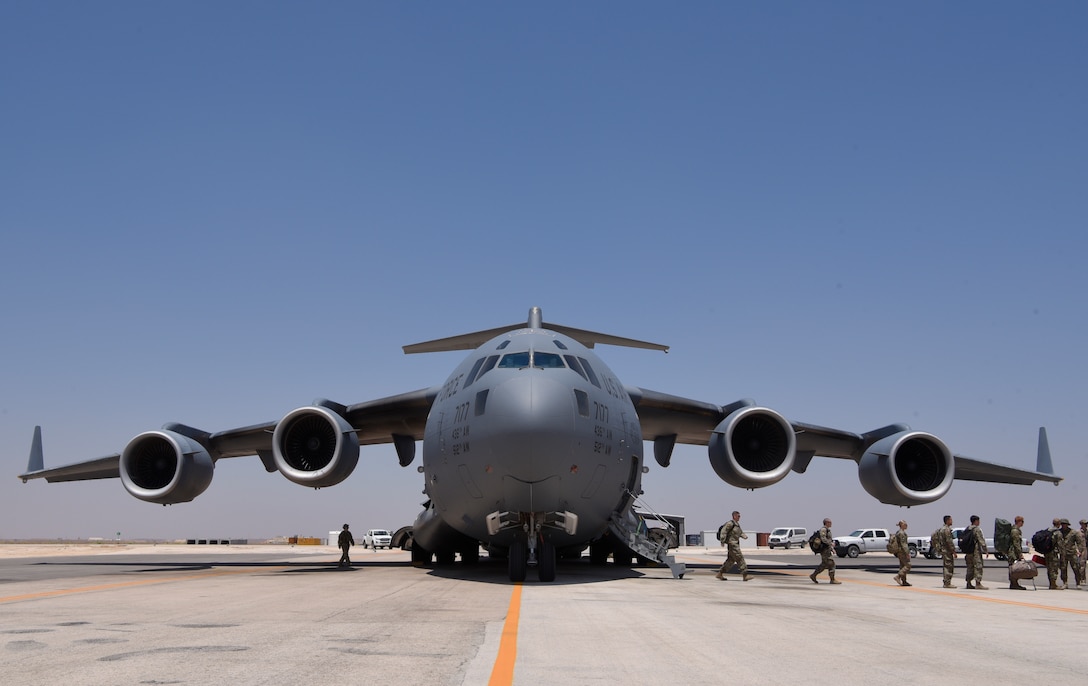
column 873, row 541
column 861, row 541
column 377, row 538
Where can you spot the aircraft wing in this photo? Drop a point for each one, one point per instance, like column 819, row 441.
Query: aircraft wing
column 375, row 422
column 668, row 418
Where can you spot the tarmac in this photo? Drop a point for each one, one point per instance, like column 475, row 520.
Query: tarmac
column 256, row 614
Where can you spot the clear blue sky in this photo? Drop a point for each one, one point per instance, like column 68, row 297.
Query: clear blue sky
column 855, row 213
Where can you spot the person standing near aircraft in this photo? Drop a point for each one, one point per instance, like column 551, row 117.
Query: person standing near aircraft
column 345, row 541
column 1054, row 555
column 827, row 551
column 976, row 554
column 1074, row 544
column 1015, row 552
column 948, row 550
column 731, row 535
column 1083, row 550
column 902, row 548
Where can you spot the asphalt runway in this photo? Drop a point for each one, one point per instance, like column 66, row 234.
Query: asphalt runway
column 278, row 614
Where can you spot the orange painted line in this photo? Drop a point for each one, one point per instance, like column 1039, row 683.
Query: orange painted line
column 502, row 674
column 110, row 587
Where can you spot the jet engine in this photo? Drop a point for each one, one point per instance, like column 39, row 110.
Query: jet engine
column 752, row 447
column 907, row 468
column 165, row 467
column 315, row 446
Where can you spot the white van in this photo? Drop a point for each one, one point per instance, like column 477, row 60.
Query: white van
column 788, row 536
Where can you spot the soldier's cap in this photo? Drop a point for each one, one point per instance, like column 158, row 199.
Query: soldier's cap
column 1083, row 522
column 1063, row 520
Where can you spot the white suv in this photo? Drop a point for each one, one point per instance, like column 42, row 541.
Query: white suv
column 377, row 538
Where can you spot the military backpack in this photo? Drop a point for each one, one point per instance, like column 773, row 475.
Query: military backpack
column 1043, row 541
column 967, row 541
column 815, row 542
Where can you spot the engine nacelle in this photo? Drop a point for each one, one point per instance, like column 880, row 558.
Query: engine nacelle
column 907, row 468
column 753, row 447
column 315, row 446
column 165, row 467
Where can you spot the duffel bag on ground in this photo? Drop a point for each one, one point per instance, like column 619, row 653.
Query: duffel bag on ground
column 1023, row 569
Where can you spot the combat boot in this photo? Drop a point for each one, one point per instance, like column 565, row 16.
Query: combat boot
column 1055, row 587
column 719, row 576
column 948, row 585
column 746, row 577
column 898, row 579
column 1015, row 586
column 980, row 587
column 813, row 577
column 905, row 582
column 833, row 580
column 970, row 586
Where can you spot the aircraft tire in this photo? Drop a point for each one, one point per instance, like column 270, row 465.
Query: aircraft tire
column 545, row 561
column 518, row 561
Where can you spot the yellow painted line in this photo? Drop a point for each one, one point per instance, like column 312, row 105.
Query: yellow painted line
column 502, row 674
column 121, row 584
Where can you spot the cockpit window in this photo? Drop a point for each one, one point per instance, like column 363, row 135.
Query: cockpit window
column 503, row 344
column 559, row 344
column 489, row 364
column 473, row 372
column 573, row 363
column 514, row 361
column 589, row 371
column 547, row 360
column 531, row 358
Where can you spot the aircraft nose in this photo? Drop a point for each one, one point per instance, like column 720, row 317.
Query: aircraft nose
column 533, row 425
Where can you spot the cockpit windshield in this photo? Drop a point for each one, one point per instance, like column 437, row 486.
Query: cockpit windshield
column 531, row 358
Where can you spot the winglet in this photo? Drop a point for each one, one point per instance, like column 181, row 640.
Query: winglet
column 1042, row 462
column 36, row 463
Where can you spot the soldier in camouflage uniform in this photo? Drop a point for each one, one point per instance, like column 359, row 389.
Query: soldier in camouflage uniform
column 948, row 550
column 1073, row 545
column 731, row 535
column 1054, row 557
column 1015, row 553
column 1084, row 550
column 902, row 546
column 827, row 550
column 974, row 559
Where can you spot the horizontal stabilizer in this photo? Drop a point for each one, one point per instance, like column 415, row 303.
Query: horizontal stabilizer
column 471, row 341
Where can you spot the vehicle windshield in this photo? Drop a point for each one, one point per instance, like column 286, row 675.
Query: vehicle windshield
column 380, row 532
column 857, row 533
column 780, row 532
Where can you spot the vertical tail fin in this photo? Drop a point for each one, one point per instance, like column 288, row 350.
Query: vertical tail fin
column 1042, row 463
column 37, row 461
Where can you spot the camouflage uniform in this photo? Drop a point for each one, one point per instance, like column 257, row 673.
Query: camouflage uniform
column 827, row 559
column 1015, row 553
column 974, row 560
column 1073, row 540
column 1083, row 550
column 948, row 554
column 731, row 537
column 1054, row 557
column 904, row 557
column 1016, row 545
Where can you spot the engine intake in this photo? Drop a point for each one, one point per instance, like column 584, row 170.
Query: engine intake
column 165, row 467
column 907, row 468
column 753, row 447
column 315, row 446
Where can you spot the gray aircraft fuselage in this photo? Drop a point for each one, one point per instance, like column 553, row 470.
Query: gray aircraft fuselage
column 531, row 422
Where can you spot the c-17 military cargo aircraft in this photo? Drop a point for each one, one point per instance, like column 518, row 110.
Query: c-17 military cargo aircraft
column 533, row 448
